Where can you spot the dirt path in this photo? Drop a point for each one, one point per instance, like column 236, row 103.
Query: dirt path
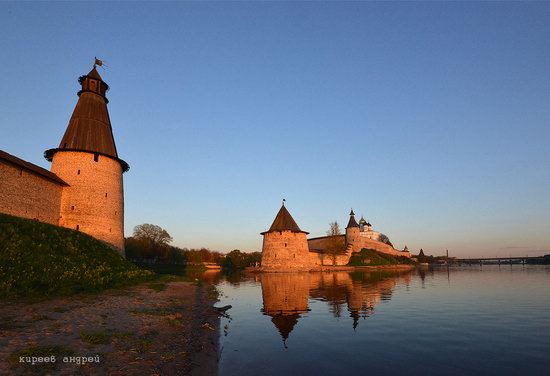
column 151, row 329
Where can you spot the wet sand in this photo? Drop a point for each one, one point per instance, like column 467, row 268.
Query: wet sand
column 151, row 329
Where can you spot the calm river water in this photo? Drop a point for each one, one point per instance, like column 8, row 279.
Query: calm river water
column 486, row 320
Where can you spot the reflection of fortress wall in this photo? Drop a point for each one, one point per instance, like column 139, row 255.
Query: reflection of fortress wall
column 285, row 297
column 285, row 293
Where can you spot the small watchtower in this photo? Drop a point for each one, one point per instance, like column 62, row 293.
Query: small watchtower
column 88, row 161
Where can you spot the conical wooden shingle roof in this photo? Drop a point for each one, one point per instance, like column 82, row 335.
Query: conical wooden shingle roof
column 284, row 222
column 89, row 128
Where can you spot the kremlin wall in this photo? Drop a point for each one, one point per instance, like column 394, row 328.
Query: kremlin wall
column 84, row 189
column 286, row 247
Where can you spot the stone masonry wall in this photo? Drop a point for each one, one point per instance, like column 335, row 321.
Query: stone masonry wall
column 94, row 202
column 285, row 250
column 377, row 246
column 358, row 244
column 28, row 195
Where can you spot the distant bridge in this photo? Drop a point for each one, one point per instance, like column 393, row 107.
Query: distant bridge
column 500, row 260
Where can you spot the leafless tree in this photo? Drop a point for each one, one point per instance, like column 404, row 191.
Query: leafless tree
column 333, row 245
column 334, row 229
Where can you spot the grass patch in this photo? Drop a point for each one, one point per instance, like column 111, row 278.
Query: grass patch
column 174, row 322
column 124, row 335
column 38, row 352
column 95, row 338
column 143, row 345
column 39, row 259
column 158, row 287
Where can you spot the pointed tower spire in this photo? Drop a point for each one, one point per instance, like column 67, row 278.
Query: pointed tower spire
column 89, row 129
column 352, row 222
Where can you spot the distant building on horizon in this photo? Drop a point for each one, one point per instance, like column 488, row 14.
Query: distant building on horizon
column 84, row 189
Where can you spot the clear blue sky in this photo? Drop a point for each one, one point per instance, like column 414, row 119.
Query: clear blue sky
column 431, row 119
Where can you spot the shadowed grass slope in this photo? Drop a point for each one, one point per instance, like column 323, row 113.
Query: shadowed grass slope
column 41, row 259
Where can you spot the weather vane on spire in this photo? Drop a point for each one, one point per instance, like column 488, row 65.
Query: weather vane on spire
column 99, row 62
column 284, row 202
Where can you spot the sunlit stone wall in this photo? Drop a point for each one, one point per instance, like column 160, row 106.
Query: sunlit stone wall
column 357, row 243
column 284, row 250
column 94, row 202
column 26, row 194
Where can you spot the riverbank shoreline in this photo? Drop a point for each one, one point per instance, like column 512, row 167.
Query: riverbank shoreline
column 329, row 268
column 152, row 328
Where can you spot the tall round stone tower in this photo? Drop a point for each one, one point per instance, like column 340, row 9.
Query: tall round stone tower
column 88, row 161
column 352, row 231
column 285, row 245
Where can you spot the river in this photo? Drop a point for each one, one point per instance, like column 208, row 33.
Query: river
column 487, row 320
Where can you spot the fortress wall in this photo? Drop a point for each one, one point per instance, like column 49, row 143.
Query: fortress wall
column 378, row 246
column 359, row 243
column 322, row 244
column 94, row 202
column 28, row 195
column 285, row 250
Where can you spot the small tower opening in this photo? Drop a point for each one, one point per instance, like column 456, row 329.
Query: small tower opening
column 78, row 173
column 78, row 227
column 96, row 157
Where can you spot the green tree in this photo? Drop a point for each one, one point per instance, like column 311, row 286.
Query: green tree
column 152, row 233
column 149, row 242
column 384, row 239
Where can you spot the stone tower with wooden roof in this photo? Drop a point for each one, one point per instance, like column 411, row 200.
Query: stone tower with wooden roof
column 352, row 231
column 285, row 245
column 88, row 161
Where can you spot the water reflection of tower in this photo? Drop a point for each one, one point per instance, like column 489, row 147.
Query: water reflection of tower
column 285, row 297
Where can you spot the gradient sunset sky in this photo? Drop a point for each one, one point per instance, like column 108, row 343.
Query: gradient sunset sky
column 430, row 119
